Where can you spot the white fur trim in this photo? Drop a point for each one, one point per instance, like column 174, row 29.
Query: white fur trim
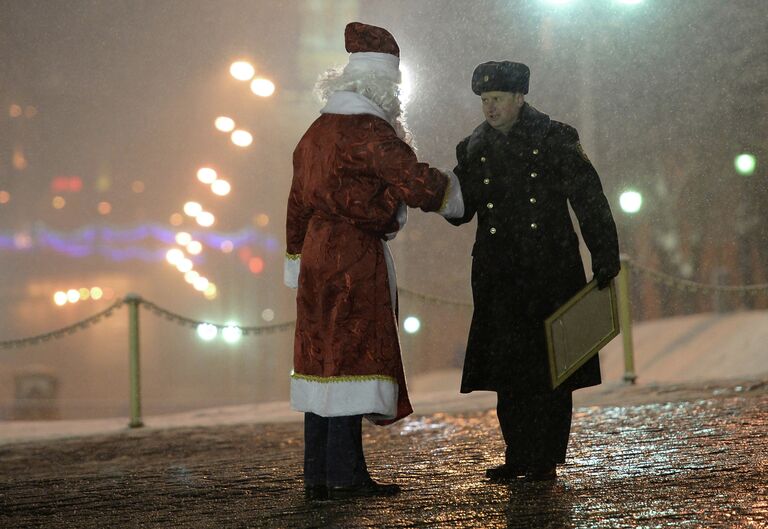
column 377, row 396
column 344, row 102
column 391, row 275
column 454, row 205
column 370, row 61
column 291, row 268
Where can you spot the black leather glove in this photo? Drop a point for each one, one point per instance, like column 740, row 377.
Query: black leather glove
column 603, row 277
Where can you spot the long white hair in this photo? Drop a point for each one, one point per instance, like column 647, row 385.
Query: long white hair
column 380, row 89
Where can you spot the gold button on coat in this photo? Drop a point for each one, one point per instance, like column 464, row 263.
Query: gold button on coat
column 489, row 205
column 534, row 226
column 534, row 175
column 486, row 181
column 482, row 159
column 535, row 151
column 492, row 230
column 532, row 200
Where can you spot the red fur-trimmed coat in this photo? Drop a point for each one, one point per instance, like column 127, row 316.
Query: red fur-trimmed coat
column 351, row 173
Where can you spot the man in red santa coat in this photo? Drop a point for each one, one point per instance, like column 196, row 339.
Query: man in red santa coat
column 353, row 177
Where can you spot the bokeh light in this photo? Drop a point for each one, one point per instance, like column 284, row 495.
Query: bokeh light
column 73, row 296
column 60, row 298
column 224, row 124
column 191, row 276
column 631, row 201
column 242, row 70
column 174, row 256
column 58, row 202
column 256, row 265
column 411, row 324
column 176, row 219
column 205, row 219
column 104, row 208
column 221, row 187
column 194, row 247
column 207, row 175
column 184, row 265
column 5, row 197
column 267, row 314
column 192, row 209
column 137, row 186
column 200, row 283
column 211, row 292
column 183, row 238
column 242, row 138
column 207, row 331
column 96, row 293
column 262, row 87
column 227, row 246
column 84, row 293
column 231, row 333
column 261, row 220
column 745, row 164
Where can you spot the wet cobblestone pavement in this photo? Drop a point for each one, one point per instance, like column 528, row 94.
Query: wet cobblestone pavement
column 699, row 463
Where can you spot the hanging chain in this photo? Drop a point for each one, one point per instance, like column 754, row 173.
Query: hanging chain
column 188, row 322
column 693, row 286
column 64, row 331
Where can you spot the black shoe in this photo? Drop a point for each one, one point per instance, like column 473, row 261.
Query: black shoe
column 545, row 473
column 367, row 489
column 315, row 493
column 504, row 473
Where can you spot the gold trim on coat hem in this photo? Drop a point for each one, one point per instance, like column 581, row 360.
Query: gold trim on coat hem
column 343, row 378
column 293, row 256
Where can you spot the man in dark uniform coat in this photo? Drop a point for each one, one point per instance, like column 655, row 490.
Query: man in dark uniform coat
column 518, row 172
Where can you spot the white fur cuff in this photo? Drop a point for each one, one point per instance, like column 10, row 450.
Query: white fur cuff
column 453, row 204
column 291, row 267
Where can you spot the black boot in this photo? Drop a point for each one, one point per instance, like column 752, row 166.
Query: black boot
column 315, row 492
column 504, row 473
column 366, row 489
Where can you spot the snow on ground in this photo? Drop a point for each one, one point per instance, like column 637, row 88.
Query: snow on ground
column 686, row 356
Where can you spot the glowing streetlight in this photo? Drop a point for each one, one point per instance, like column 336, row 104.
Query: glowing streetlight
column 207, row 175
column 205, row 219
column 200, row 284
column 194, row 247
column 631, row 201
column 411, row 324
column 262, row 87
column 183, row 238
column 174, row 256
column 207, row 331
column 184, row 266
column 193, row 209
column 221, row 187
column 242, row 70
column 232, row 333
column 211, row 292
column 241, row 138
column 224, row 124
column 745, row 164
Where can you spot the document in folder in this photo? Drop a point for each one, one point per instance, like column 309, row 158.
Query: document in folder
column 578, row 329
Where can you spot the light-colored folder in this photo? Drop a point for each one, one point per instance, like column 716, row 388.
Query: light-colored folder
column 578, row 329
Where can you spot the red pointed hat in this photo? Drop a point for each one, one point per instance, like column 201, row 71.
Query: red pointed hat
column 362, row 38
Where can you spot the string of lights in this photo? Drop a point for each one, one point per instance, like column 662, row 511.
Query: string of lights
column 230, row 329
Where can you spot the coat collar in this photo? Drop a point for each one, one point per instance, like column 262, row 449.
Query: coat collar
column 345, row 102
column 532, row 125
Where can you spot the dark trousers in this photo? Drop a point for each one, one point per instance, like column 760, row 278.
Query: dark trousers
column 535, row 427
column 333, row 451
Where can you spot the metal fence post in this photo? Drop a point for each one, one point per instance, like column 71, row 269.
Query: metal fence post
column 133, row 301
column 625, row 320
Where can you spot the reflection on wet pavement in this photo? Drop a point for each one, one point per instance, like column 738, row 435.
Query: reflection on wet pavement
column 685, row 464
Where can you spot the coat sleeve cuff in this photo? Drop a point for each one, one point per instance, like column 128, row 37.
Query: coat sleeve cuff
column 291, row 267
column 453, row 202
column 402, row 218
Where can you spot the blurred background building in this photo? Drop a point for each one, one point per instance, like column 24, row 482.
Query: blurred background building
column 109, row 110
